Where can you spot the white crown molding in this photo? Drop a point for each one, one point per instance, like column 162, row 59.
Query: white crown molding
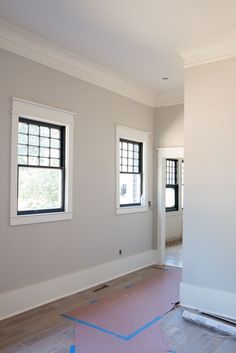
column 220, row 48
column 37, row 49
column 169, row 98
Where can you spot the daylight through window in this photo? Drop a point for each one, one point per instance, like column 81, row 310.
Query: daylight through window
column 130, row 173
column 41, row 167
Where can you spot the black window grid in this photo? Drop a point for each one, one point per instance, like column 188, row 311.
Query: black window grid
column 59, row 159
column 131, row 161
column 136, row 157
column 172, row 181
column 182, row 173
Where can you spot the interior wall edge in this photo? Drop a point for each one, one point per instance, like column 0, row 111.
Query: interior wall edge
column 208, row 300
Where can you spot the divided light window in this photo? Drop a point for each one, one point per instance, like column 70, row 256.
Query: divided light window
column 131, row 173
column 172, row 188
column 41, row 167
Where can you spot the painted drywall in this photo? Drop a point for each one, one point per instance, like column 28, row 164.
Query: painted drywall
column 168, row 132
column 209, row 261
column 33, row 253
column 174, row 226
column 169, row 126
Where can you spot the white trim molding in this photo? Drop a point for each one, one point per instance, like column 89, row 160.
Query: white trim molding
column 220, row 48
column 27, row 298
column 168, row 98
column 162, row 154
column 139, row 136
column 208, row 300
column 32, row 47
column 34, row 111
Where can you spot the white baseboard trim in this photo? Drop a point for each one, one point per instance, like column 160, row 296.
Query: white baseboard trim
column 30, row 297
column 208, row 300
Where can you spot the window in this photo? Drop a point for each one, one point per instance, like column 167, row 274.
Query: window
column 131, row 170
column 42, row 157
column 172, row 188
column 41, row 167
column 131, row 176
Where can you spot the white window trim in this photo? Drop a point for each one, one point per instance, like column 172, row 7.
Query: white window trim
column 139, row 136
column 39, row 112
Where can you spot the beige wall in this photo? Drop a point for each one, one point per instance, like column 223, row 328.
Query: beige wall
column 209, row 259
column 33, row 253
column 169, row 126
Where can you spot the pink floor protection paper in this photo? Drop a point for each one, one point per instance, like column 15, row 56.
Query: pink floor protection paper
column 127, row 321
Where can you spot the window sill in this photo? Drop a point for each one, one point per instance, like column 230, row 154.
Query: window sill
column 136, row 209
column 40, row 218
column 174, row 213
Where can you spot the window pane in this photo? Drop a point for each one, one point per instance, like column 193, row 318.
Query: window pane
column 55, row 143
column 33, row 129
column 44, row 141
column 44, row 162
column 23, row 128
column 44, row 152
column 130, row 147
column 130, row 169
column 130, row 161
column 55, row 153
column 125, row 146
column 33, row 161
column 39, row 189
column 33, row 151
column 130, row 189
column 22, row 150
column 44, row 131
column 171, row 171
column 55, row 133
column 33, row 140
column 22, row 139
column 22, row 160
column 170, row 197
column 54, row 162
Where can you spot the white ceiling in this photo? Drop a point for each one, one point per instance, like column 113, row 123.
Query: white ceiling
column 139, row 39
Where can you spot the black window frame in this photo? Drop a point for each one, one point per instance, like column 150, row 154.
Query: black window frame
column 173, row 184
column 140, row 144
column 61, row 167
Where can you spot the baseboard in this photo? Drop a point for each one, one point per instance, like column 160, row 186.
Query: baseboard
column 208, row 300
column 174, row 241
column 30, row 297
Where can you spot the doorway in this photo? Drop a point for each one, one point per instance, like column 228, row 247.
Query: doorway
column 170, row 198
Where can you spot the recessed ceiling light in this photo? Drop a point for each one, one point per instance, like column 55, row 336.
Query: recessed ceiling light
column 165, row 78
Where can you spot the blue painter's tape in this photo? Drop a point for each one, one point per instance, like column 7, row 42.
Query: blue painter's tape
column 72, row 349
column 143, row 328
column 109, row 332
column 93, row 301
column 93, row 326
column 129, row 286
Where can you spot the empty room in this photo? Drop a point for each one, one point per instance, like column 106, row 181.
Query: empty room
column 117, row 142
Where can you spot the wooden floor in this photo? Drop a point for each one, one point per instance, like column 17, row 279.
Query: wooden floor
column 43, row 330
column 173, row 256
